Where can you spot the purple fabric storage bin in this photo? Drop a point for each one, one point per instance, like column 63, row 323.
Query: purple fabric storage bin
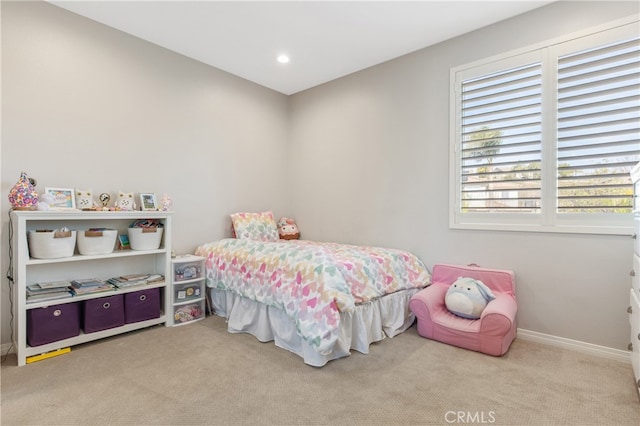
column 142, row 305
column 103, row 313
column 46, row 325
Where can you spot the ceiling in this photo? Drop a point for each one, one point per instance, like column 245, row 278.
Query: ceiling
column 325, row 40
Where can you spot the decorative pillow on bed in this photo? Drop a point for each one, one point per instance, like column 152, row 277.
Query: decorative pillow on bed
column 255, row 226
column 467, row 298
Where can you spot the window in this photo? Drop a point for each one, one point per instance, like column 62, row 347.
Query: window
column 544, row 139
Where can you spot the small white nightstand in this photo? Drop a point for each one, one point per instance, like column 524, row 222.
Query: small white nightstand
column 187, row 289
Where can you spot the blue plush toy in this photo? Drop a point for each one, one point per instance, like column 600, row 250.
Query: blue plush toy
column 467, row 297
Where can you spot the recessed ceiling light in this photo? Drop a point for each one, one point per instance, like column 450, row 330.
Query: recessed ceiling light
column 283, row 59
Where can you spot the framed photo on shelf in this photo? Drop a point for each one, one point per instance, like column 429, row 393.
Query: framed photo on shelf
column 123, row 242
column 63, row 198
column 148, row 201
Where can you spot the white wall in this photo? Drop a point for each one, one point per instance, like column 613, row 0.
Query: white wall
column 85, row 106
column 370, row 160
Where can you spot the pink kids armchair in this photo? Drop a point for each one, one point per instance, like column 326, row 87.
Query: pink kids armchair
column 491, row 334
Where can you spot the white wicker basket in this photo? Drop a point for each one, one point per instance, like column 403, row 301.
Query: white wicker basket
column 145, row 238
column 92, row 242
column 47, row 244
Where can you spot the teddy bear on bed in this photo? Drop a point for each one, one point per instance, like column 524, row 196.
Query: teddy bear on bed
column 468, row 297
column 287, row 229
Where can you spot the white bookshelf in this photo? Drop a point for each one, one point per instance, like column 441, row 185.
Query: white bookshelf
column 28, row 270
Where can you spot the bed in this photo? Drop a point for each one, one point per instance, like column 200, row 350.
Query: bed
column 318, row 300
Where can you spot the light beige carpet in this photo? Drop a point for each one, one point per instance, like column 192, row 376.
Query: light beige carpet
column 200, row 374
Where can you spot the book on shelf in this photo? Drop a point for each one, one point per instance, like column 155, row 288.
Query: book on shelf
column 48, row 291
column 41, row 297
column 92, row 289
column 48, row 296
column 135, row 280
column 86, row 283
column 133, row 277
column 155, row 278
column 34, row 289
column 126, row 283
column 150, row 278
column 53, row 284
column 84, row 280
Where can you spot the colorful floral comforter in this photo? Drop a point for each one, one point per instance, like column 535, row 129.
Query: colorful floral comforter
column 311, row 282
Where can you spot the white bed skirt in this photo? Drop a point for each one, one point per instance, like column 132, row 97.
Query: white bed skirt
column 371, row 322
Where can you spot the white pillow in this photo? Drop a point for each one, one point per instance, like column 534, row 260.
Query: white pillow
column 468, row 297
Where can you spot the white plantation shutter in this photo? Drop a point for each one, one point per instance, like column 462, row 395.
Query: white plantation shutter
column 545, row 139
column 598, row 128
column 501, row 146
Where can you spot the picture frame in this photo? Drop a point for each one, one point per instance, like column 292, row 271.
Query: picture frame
column 64, row 198
column 148, row 201
column 123, row 242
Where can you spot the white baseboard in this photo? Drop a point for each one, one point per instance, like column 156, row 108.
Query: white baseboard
column 575, row 345
column 532, row 336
